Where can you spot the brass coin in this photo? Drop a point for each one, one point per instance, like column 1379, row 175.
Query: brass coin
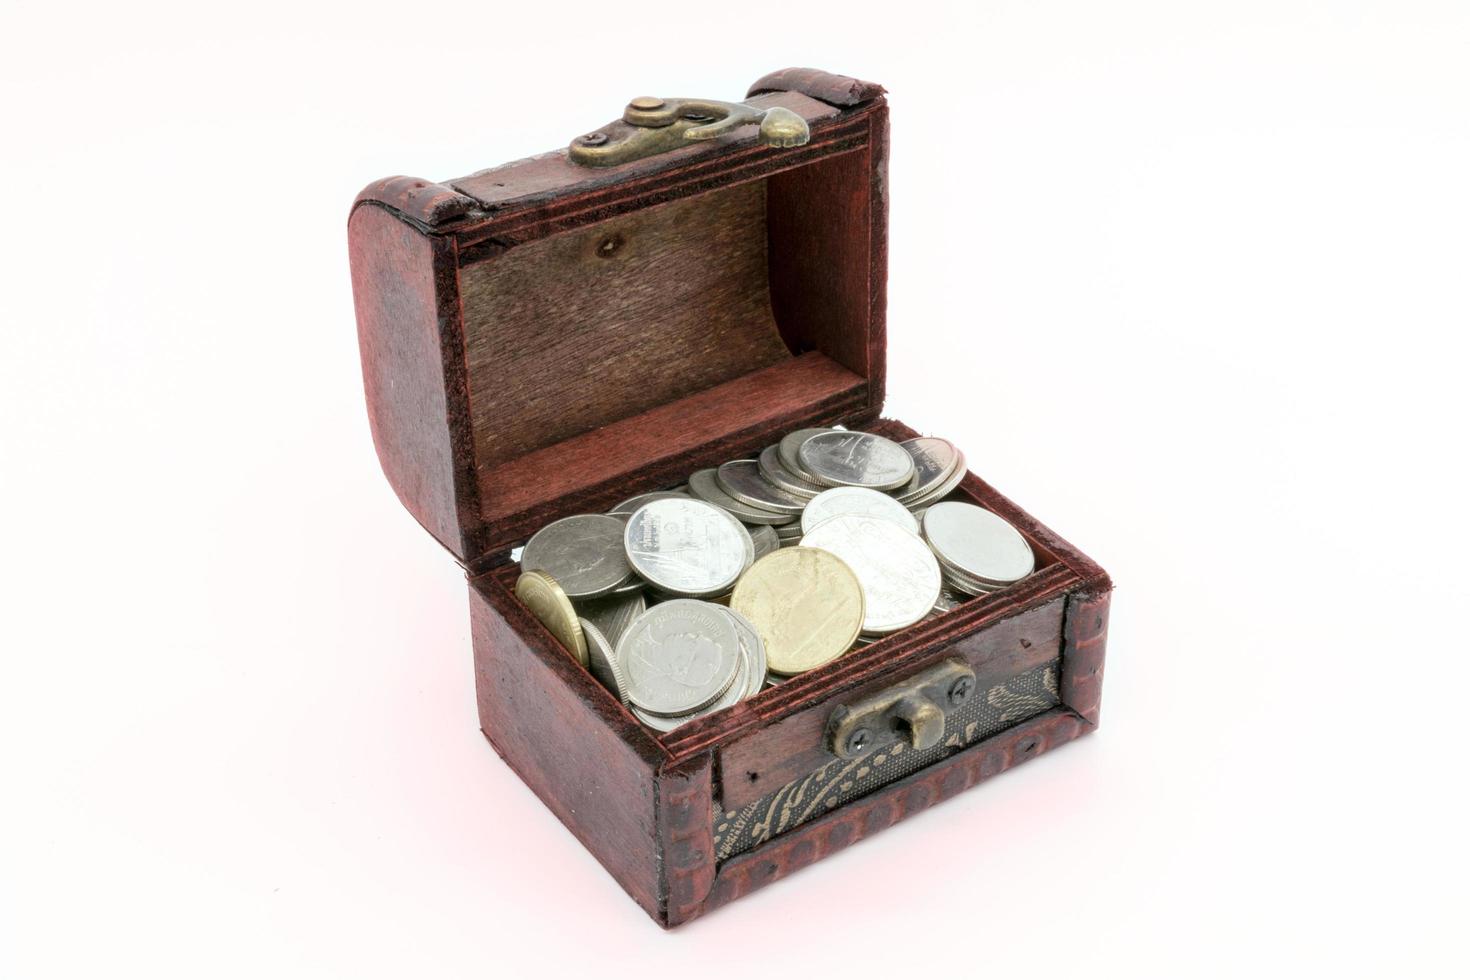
column 806, row 604
column 540, row 594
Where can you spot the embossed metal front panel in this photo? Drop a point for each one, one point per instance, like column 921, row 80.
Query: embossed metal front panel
column 999, row 707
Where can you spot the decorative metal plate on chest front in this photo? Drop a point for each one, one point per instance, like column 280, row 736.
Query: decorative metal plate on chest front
column 983, row 714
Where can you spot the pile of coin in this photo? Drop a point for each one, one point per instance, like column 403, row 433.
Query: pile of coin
column 685, row 601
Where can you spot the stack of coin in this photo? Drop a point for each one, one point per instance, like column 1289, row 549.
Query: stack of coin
column 684, row 659
column 978, row 551
column 827, row 540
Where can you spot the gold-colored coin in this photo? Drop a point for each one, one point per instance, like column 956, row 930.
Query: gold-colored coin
column 806, row 604
column 550, row 604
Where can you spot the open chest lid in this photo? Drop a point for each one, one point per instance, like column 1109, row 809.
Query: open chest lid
column 557, row 333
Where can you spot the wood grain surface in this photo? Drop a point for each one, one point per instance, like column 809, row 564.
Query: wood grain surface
column 587, row 327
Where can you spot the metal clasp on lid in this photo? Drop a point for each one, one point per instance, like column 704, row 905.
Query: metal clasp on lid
column 913, row 712
column 651, row 125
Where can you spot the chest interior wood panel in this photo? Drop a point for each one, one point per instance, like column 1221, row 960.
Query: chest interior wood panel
column 570, row 332
column 651, row 332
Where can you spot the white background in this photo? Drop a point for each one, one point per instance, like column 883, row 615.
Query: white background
column 1188, row 281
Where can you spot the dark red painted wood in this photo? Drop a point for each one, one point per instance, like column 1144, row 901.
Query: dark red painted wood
column 419, row 202
column 832, row 89
column 688, row 835
column 571, row 742
column 862, row 818
column 408, row 339
column 1086, row 639
column 663, row 442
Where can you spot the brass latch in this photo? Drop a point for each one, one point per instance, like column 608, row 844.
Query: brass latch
column 912, row 712
column 651, row 125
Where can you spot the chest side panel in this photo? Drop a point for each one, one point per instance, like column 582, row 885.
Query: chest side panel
column 567, row 738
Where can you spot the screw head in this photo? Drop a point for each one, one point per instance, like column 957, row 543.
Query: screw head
column 960, row 690
column 593, row 139
column 857, row 740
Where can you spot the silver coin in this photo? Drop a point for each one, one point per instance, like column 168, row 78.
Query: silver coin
column 633, row 503
column 687, row 547
column 978, row 544
column 900, row 492
column 856, row 500
column 679, row 657
column 583, row 553
column 792, row 530
column 790, row 446
column 748, row 680
column 956, row 580
column 634, row 586
column 602, row 660
column 774, row 470
column 660, row 724
column 612, row 614
column 765, row 539
column 899, row 574
column 948, row 598
column 934, row 460
column 656, row 597
column 754, row 649
column 739, row 688
column 917, row 502
column 743, row 480
column 962, row 584
column 704, row 486
column 855, row 459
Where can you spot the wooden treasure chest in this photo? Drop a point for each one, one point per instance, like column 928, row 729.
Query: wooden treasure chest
column 680, row 288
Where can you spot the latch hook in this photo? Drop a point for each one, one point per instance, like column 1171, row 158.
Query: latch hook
column 651, row 125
